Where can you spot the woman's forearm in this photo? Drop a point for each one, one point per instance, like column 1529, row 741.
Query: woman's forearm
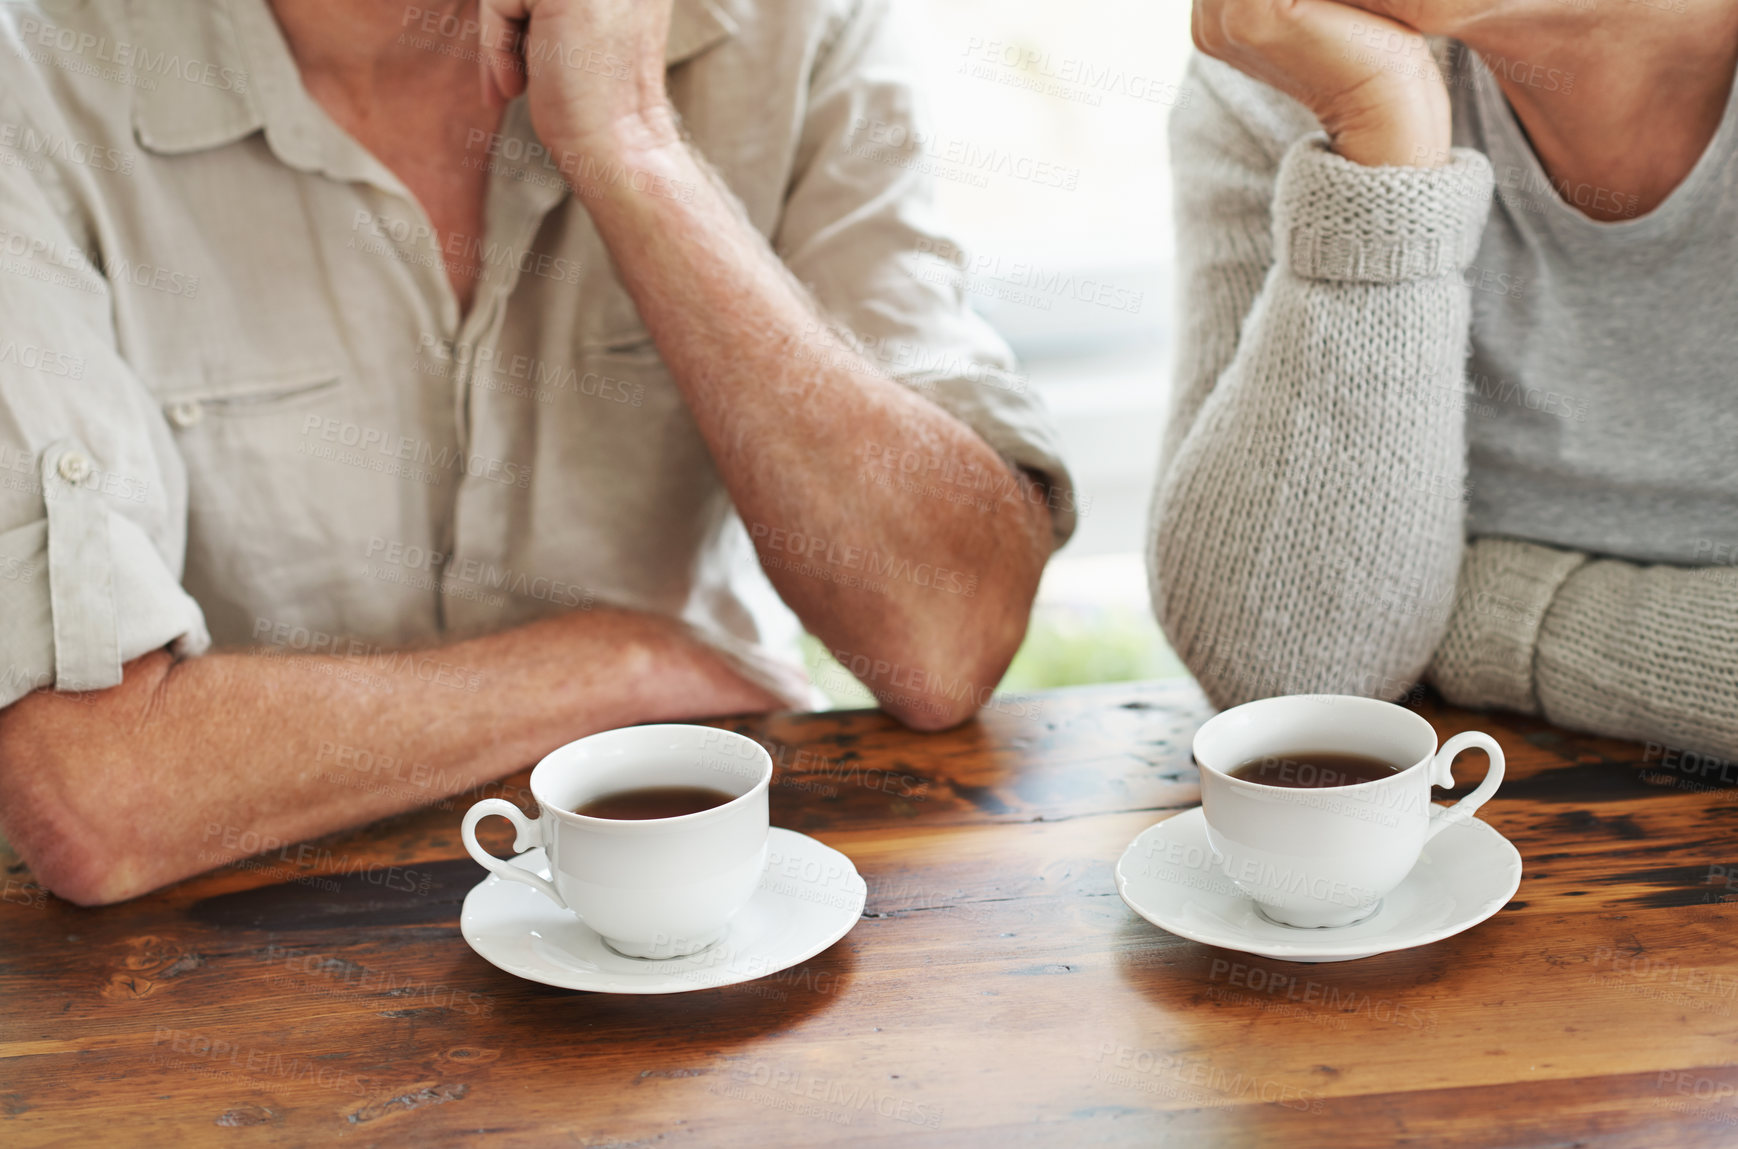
column 1647, row 653
column 1308, row 518
column 189, row 765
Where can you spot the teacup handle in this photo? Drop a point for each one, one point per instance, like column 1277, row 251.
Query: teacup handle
column 1442, row 774
column 527, row 834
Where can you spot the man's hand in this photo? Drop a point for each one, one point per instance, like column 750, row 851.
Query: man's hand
column 113, row 793
column 594, row 68
column 788, row 410
column 1369, row 79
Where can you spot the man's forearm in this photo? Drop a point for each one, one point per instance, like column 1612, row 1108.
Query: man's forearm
column 111, row 794
column 795, row 420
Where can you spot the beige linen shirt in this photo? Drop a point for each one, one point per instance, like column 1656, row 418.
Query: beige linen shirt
column 239, row 403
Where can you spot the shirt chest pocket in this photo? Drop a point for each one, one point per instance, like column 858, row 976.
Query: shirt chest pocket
column 609, row 320
column 260, row 444
column 255, row 397
column 288, row 477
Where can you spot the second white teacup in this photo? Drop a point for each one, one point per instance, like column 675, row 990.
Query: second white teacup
column 653, row 888
column 1326, row 856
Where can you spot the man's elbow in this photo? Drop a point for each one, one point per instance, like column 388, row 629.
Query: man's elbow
column 929, row 714
column 76, row 868
column 950, row 680
column 65, row 854
column 62, row 829
column 960, row 662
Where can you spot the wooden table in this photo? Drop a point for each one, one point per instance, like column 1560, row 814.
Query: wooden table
column 996, row 992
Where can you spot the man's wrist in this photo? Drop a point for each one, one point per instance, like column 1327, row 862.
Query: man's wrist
column 606, row 168
column 628, row 140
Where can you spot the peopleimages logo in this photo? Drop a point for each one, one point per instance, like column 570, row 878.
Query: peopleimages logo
column 956, row 155
column 282, row 638
column 587, row 174
column 1020, row 281
column 308, row 856
column 542, row 379
column 130, row 57
column 25, row 140
column 457, row 246
column 450, row 568
column 36, row 358
column 1068, row 77
column 321, row 435
column 816, row 549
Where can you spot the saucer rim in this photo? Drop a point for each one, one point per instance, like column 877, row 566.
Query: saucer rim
column 652, row 982
column 1323, row 950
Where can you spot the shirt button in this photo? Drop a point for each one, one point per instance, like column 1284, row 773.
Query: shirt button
column 74, row 467
column 186, row 413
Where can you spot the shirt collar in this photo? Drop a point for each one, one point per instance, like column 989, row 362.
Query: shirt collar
column 695, row 26
column 178, row 106
column 222, row 71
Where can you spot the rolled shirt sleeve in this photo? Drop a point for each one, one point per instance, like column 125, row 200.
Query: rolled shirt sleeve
column 93, row 496
column 859, row 230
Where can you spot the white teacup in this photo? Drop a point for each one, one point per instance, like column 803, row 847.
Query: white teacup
column 655, row 888
column 1327, row 856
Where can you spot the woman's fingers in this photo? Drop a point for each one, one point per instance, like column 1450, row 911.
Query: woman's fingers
column 1369, row 78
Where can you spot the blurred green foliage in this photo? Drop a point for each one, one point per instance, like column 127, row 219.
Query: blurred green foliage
column 1065, row 646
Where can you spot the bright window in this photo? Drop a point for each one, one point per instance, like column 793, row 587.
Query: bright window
column 1071, row 256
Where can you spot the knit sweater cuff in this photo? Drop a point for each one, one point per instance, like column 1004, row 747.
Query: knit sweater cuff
column 1486, row 658
column 1335, row 219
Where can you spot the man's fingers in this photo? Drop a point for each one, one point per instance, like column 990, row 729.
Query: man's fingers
column 1414, row 14
column 501, row 59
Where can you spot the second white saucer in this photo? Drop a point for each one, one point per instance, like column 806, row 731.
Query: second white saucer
column 1465, row 874
column 809, row 897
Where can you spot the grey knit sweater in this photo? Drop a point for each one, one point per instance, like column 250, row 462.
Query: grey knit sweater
column 1343, row 505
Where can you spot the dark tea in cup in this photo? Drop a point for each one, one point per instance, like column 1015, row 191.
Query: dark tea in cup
column 647, row 802
column 1314, row 770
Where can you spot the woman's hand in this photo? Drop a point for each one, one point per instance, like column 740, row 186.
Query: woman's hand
column 1369, row 79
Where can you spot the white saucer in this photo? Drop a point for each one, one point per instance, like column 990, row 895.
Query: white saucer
column 789, row 920
column 1467, row 873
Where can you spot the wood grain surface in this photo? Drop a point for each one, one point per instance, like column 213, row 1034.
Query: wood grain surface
column 996, row 991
